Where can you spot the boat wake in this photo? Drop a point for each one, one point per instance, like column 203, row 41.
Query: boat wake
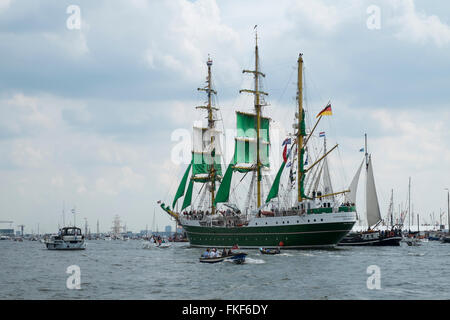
column 254, row 261
column 286, row 254
column 416, row 254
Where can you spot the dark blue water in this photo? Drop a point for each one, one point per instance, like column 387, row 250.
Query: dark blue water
column 124, row 270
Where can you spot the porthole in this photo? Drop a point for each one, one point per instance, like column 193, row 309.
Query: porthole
column 314, row 220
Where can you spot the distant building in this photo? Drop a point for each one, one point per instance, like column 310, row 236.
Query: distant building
column 144, row 232
column 7, row 232
column 168, row 229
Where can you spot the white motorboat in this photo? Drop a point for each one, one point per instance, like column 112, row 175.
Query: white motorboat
column 412, row 242
column 155, row 244
column 69, row 238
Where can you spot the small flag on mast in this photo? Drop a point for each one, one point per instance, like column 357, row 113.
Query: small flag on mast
column 322, row 134
column 326, row 111
column 287, row 141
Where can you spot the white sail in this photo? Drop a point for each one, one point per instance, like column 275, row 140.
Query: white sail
column 327, row 187
column 316, row 184
column 311, row 176
column 351, row 196
column 372, row 206
column 202, row 140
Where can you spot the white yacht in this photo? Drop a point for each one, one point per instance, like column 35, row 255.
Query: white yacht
column 69, row 238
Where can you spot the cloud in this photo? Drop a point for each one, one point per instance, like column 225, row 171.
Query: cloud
column 418, row 27
column 4, row 4
column 89, row 113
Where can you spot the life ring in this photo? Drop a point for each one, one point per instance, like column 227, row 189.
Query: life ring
column 281, row 243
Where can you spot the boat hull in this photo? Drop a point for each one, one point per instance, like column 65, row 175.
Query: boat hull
column 64, row 245
column 393, row 241
column 211, row 260
column 292, row 232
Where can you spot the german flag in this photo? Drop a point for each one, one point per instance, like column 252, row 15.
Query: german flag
column 326, row 111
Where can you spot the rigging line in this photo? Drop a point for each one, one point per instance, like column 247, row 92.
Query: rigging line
column 174, row 178
column 203, row 184
column 286, row 114
column 232, row 191
column 222, row 122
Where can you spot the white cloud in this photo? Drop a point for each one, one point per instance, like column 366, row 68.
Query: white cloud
column 418, row 27
column 4, row 4
column 101, row 152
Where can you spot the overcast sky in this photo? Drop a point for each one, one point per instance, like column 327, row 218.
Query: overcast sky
column 87, row 115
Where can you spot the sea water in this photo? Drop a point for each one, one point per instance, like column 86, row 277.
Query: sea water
column 125, row 270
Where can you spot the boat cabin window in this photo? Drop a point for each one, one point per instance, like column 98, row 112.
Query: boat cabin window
column 72, row 232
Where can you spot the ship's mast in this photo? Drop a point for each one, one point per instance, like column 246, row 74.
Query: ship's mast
column 258, row 124
column 257, row 103
column 409, row 203
column 365, row 149
column 300, row 148
column 211, row 125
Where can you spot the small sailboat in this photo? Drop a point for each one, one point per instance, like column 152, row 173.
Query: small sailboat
column 371, row 237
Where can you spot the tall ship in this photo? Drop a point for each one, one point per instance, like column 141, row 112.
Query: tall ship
column 298, row 216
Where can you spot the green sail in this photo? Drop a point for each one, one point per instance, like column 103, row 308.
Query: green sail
column 273, row 193
column 245, row 143
column 223, row 193
column 182, row 186
column 188, row 198
column 201, row 166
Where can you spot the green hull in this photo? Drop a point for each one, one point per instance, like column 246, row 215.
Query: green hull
column 288, row 236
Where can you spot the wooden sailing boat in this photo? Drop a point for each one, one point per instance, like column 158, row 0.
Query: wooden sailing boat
column 372, row 237
column 311, row 221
